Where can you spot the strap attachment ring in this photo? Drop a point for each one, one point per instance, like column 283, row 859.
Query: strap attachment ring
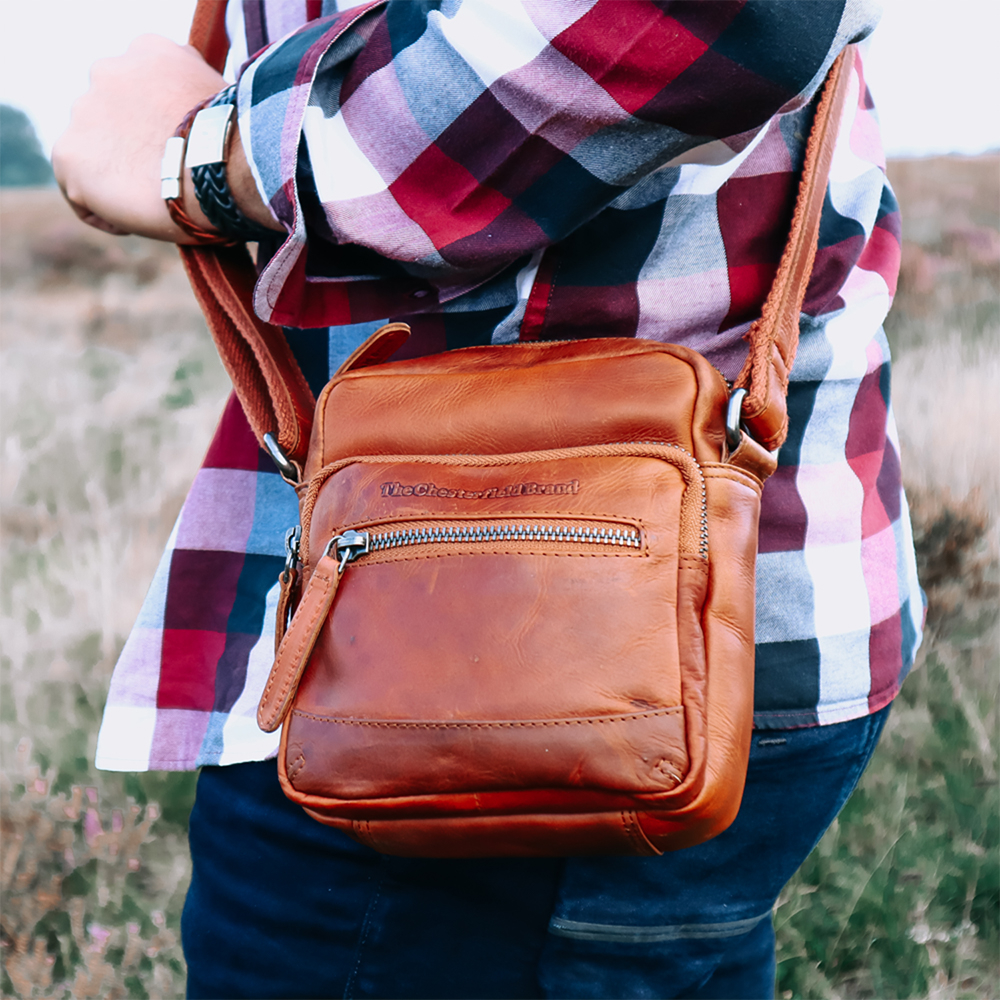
column 288, row 471
column 733, row 414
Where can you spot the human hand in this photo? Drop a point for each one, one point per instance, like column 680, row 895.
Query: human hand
column 108, row 160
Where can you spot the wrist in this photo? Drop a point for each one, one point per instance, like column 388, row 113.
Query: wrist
column 191, row 205
column 244, row 187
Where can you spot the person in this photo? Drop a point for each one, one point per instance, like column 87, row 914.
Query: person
column 493, row 171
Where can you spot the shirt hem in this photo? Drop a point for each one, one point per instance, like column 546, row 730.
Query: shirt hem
column 825, row 715
column 791, row 719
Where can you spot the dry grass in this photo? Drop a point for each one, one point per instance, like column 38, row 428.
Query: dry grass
column 110, row 392
column 947, row 404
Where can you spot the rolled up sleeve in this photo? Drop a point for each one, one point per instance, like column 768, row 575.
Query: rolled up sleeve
column 432, row 145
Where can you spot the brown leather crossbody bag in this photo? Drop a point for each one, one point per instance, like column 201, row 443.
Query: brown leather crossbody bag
column 521, row 619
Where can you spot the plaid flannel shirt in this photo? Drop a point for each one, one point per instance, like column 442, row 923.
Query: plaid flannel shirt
column 494, row 171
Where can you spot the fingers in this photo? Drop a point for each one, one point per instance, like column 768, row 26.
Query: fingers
column 107, row 162
column 92, row 219
column 98, row 223
column 62, row 168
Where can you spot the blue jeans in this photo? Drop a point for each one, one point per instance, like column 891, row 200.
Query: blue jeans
column 281, row 906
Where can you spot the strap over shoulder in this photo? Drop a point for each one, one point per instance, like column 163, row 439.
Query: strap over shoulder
column 208, row 32
column 774, row 338
column 271, row 388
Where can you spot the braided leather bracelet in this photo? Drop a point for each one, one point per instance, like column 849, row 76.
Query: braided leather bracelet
column 211, row 184
column 216, row 199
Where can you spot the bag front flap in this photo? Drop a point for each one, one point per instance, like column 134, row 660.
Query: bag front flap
column 524, row 397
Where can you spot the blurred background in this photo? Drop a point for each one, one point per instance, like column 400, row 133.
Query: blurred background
column 111, row 390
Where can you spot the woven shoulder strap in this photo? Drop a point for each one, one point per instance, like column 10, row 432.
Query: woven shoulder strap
column 774, row 337
column 274, row 393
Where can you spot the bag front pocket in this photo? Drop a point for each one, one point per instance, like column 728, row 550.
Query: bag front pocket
column 532, row 645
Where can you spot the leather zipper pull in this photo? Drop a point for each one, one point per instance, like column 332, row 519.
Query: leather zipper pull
column 298, row 643
column 287, row 599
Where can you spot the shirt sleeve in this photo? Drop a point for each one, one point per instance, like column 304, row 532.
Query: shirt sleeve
column 436, row 143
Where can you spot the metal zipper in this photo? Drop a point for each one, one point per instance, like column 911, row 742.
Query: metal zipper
column 350, row 545
column 703, row 533
column 485, row 460
column 293, row 539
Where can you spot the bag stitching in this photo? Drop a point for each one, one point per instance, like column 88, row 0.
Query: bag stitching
column 296, row 766
column 506, row 552
column 536, row 723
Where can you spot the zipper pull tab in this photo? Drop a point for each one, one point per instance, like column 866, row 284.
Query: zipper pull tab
column 289, row 594
column 348, row 547
column 292, row 538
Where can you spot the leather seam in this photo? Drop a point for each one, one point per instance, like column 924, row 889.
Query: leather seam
column 296, row 766
column 584, row 515
column 363, row 829
column 639, row 844
column 695, row 562
column 623, row 816
column 736, row 476
column 616, row 551
column 639, row 349
column 726, row 472
column 528, row 724
column 500, row 460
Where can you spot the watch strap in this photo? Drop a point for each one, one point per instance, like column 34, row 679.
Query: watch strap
column 211, row 186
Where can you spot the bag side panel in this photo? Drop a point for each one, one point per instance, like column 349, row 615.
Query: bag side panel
column 733, row 512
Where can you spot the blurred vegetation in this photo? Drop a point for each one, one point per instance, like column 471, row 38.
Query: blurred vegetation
column 110, row 393
column 951, row 251
column 22, row 162
column 902, row 896
column 111, row 389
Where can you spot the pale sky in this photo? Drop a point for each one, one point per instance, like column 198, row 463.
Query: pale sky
column 933, row 68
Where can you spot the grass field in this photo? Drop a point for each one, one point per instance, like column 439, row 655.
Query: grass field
column 110, row 392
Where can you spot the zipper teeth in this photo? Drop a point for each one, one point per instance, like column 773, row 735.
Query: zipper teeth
column 327, row 471
column 627, row 537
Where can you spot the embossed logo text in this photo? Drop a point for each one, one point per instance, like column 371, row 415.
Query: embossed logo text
column 493, row 493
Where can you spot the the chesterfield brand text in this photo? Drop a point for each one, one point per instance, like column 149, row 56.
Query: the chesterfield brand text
column 494, row 492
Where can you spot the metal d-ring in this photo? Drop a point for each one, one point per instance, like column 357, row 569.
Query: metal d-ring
column 733, row 413
column 289, row 473
column 293, row 538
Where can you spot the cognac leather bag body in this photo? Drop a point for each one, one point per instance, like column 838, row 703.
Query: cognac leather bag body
column 521, row 617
